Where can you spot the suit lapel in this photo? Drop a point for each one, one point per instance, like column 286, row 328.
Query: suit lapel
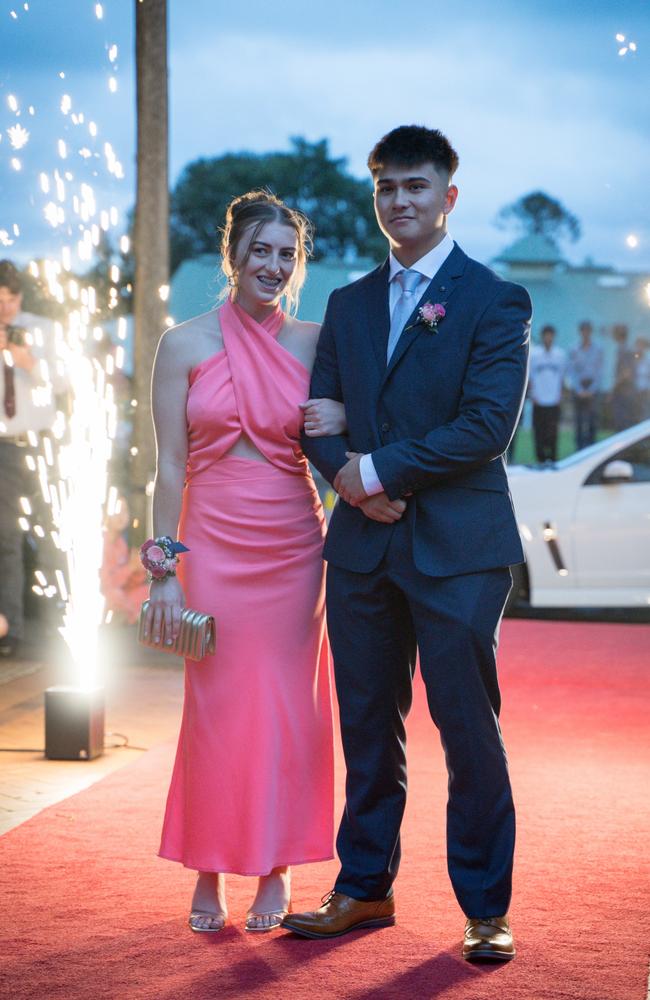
column 378, row 312
column 440, row 289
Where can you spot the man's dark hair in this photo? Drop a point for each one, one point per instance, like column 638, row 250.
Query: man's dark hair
column 10, row 277
column 548, row 328
column 409, row 145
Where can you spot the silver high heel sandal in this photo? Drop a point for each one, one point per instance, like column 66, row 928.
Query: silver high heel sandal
column 206, row 930
column 278, row 916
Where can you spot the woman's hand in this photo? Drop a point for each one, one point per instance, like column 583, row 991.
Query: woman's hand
column 324, row 417
column 164, row 611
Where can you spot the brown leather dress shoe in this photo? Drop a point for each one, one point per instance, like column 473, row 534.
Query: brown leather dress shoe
column 340, row 914
column 488, row 939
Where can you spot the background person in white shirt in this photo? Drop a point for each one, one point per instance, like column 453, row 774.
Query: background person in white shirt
column 28, row 381
column 547, row 370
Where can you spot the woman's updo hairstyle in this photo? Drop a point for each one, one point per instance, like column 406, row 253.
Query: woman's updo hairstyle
column 256, row 209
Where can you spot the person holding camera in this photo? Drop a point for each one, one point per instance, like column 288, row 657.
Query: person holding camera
column 28, row 380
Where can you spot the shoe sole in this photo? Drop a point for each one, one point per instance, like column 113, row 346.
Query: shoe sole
column 490, row 956
column 378, row 922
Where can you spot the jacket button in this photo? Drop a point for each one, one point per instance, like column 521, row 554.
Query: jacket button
column 385, row 427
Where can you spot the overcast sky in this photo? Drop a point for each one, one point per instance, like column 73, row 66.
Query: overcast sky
column 531, row 94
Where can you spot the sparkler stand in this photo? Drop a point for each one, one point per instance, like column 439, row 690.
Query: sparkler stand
column 74, row 723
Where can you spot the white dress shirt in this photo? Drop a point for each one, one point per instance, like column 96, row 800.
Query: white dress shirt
column 35, row 390
column 428, row 266
column 547, row 371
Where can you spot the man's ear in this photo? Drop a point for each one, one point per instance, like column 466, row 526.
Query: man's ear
column 450, row 200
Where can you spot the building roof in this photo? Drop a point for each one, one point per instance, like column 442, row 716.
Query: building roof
column 562, row 294
column 196, row 285
column 531, row 249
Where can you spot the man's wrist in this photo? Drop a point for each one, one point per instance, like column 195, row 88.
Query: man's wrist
column 371, row 482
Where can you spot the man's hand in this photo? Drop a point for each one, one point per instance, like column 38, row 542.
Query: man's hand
column 23, row 357
column 21, row 354
column 380, row 508
column 348, row 483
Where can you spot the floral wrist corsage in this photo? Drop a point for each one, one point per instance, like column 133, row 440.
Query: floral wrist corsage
column 159, row 556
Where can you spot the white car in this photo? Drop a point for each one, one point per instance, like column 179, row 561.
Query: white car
column 585, row 526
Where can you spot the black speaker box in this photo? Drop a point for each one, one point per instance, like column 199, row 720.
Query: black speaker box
column 74, row 723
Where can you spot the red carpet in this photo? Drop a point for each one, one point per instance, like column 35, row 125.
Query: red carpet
column 89, row 911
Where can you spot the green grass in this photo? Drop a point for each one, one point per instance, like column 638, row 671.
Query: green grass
column 525, row 449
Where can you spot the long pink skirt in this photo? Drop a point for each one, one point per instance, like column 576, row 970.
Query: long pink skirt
column 252, row 786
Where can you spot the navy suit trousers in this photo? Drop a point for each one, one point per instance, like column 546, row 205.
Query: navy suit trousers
column 376, row 623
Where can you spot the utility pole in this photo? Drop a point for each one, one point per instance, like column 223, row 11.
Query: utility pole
column 151, row 234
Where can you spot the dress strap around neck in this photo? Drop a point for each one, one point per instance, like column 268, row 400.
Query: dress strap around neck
column 234, row 313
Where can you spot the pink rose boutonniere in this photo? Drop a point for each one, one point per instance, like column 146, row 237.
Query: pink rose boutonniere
column 430, row 315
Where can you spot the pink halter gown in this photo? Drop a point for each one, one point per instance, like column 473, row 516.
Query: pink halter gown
column 252, row 786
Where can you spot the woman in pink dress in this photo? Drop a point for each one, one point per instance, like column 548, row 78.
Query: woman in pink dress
column 252, row 786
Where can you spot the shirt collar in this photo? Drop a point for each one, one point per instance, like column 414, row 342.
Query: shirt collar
column 428, row 265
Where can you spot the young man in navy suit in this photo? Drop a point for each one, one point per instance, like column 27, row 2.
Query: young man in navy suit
column 429, row 355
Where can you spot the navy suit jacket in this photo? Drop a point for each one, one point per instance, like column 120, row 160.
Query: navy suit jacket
column 437, row 419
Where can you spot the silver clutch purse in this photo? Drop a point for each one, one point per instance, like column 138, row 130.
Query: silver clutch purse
column 195, row 639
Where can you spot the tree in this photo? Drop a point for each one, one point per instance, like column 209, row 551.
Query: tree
column 538, row 213
column 150, row 236
column 307, row 178
column 112, row 296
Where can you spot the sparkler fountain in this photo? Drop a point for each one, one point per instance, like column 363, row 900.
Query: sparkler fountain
column 72, row 466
